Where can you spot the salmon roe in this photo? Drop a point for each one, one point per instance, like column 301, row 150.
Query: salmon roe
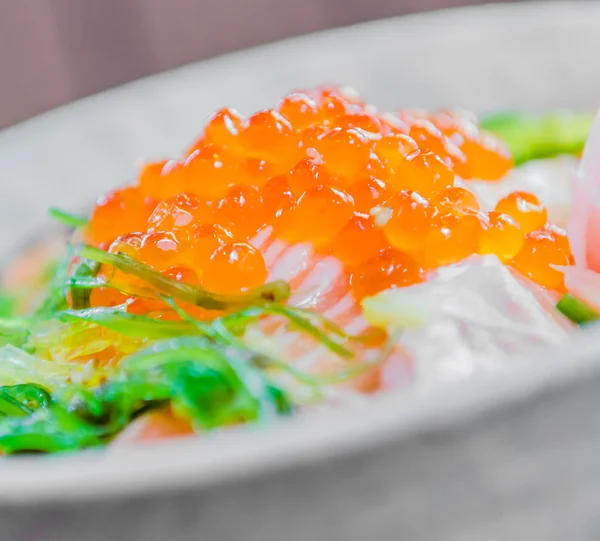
column 543, row 251
column 118, row 213
column 180, row 213
column 234, row 267
column 345, row 152
column 485, row 156
column 162, row 250
column 206, row 238
column 388, row 269
column 451, row 238
column 318, row 216
column 359, row 240
column 377, row 191
column 525, row 208
column 456, row 200
column 501, row 236
column 223, row 129
column 369, row 193
column 406, row 220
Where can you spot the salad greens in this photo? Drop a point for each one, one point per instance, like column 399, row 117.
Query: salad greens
column 532, row 137
column 207, row 384
column 204, row 371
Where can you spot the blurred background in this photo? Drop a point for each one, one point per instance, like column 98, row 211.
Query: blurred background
column 55, row 51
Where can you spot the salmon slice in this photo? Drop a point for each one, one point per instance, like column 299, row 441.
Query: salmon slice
column 154, row 426
column 320, row 283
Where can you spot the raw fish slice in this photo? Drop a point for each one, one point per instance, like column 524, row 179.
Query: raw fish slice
column 584, row 225
column 584, row 284
column 151, row 427
column 321, row 284
column 478, row 316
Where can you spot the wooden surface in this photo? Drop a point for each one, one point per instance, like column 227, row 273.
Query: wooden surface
column 55, row 51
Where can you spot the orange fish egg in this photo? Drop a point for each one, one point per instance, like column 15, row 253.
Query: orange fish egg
column 456, row 200
column 182, row 274
column 500, row 236
column 376, row 168
column 161, row 250
column 309, row 138
column 560, row 238
column 369, row 193
column 388, row 269
column 120, row 212
column 149, row 178
column 128, row 244
column 318, row 216
column 208, row 172
column 406, row 219
column 430, row 138
column 395, row 148
column 542, row 251
column 487, row 158
column 256, row 172
column 525, row 208
column 300, row 109
column 424, row 173
column 308, row 174
column 358, row 240
column 332, row 106
column 180, row 213
column 451, row 239
column 161, row 179
column 345, row 152
column 269, row 136
column 205, row 239
column 223, row 129
column 234, row 267
column 241, row 211
column 362, row 121
column 277, row 198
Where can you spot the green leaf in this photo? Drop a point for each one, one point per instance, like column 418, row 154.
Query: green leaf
column 57, row 290
column 48, row 430
column 23, row 399
column 532, row 137
column 67, row 219
column 268, row 293
column 7, row 304
column 80, row 297
column 254, row 398
column 14, row 331
column 576, row 310
column 129, row 324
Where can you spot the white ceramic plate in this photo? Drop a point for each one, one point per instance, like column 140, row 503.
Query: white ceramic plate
column 371, row 473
